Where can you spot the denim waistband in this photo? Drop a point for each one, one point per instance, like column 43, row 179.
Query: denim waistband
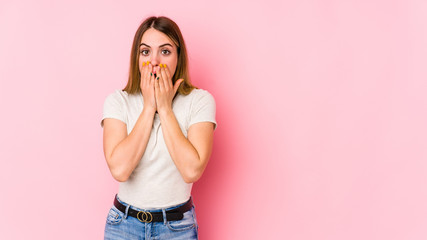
column 151, row 210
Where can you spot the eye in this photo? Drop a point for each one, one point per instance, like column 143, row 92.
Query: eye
column 165, row 52
column 144, row 52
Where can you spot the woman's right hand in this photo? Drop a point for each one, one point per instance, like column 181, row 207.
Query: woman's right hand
column 147, row 86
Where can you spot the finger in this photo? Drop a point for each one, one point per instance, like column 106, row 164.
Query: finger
column 149, row 71
column 144, row 74
column 148, row 68
column 156, row 87
column 167, row 72
column 141, row 71
column 167, row 83
column 159, row 80
column 177, row 84
column 152, row 78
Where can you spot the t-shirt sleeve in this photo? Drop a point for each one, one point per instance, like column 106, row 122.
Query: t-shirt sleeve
column 203, row 109
column 113, row 108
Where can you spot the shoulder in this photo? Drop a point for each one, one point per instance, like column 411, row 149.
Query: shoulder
column 202, row 107
column 195, row 99
column 116, row 100
column 201, row 99
column 118, row 95
column 199, row 94
column 115, row 106
column 123, row 97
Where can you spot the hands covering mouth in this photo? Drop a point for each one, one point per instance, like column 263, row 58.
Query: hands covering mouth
column 158, row 90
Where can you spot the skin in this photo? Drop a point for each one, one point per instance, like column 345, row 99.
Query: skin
column 123, row 152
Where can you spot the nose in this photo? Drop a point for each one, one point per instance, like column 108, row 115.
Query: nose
column 155, row 60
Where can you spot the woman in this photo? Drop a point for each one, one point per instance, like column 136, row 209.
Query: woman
column 158, row 134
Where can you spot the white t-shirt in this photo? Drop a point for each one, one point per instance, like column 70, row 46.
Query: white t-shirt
column 156, row 182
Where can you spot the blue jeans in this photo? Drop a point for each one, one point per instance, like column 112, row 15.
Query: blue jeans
column 121, row 226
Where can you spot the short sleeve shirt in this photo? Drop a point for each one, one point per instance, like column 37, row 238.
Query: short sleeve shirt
column 156, row 182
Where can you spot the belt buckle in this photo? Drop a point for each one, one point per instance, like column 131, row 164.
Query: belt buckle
column 147, row 217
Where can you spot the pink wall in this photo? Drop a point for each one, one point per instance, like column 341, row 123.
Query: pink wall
column 321, row 113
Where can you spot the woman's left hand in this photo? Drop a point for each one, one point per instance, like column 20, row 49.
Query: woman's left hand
column 164, row 89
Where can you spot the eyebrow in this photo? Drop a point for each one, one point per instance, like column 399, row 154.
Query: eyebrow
column 159, row 46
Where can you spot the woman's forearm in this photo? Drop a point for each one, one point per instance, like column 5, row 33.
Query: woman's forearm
column 128, row 153
column 183, row 153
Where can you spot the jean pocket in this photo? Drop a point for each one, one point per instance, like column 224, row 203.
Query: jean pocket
column 115, row 216
column 186, row 223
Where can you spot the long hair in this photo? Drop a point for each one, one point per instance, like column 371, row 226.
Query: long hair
column 171, row 29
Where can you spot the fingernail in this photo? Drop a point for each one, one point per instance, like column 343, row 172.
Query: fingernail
column 160, row 65
column 148, row 62
column 157, row 78
column 164, row 65
column 151, row 74
column 143, row 64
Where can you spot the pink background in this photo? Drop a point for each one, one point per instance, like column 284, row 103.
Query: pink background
column 321, row 109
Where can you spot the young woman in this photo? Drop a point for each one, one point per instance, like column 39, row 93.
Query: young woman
column 158, row 134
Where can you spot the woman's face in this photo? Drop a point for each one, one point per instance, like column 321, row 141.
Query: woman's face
column 157, row 48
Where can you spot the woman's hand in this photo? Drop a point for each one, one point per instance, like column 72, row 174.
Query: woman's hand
column 164, row 89
column 147, row 86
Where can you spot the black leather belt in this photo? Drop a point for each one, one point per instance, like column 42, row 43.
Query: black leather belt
column 147, row 217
